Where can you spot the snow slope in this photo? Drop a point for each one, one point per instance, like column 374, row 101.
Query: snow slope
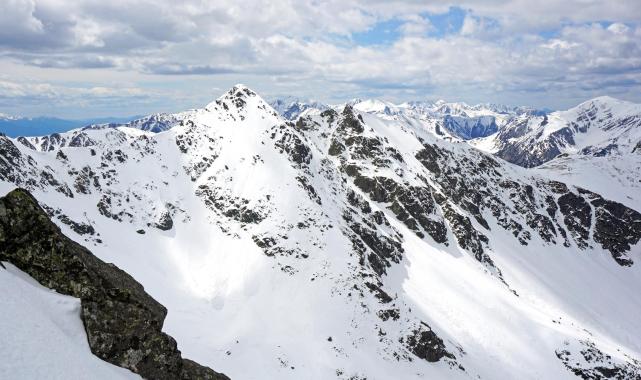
column 617, row 177
column 601, row 127
column 347, row 245
column 42, row 335
column 593, row 145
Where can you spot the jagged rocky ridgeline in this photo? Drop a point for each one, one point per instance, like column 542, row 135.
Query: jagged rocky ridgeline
column 527, row 137
column 600, row 127
column 481, row 186
column 122, row 322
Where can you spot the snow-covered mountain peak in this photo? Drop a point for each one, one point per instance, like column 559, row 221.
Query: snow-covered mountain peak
column 594, row 145
column 237, row 96
column 454, row 109
column 240, row 103
column 599, row 120
column 609, row 104
column 376, row 106
column 605, row 100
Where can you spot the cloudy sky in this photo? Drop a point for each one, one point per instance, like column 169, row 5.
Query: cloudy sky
column 86, row 58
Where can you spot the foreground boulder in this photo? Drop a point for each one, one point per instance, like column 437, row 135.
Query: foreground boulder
column 123, row 323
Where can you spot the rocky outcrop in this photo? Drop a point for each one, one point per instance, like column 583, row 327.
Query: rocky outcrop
column 123, row 323
column 11, row 161
column 577, row 217
column 164, row 223
column 577, row 214
column 587, row 361
column 617, row 227
column 530, row 154
column 237, row 209
column 426, row 345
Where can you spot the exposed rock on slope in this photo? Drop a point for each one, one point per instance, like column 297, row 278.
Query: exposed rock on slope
column 123, row 323
column 586, row 361
column 419, row 256
column 599, row 127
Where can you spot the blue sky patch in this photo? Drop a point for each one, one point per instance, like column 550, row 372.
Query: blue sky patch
column 388, row 31
column 382, row 33
column 447, row 23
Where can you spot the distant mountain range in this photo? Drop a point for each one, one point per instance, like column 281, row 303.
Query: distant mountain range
column 14, row 126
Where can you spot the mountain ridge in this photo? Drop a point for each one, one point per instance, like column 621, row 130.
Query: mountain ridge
column 347, row 244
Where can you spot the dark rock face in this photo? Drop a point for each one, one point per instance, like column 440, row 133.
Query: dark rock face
column 600, row 151
column 164, row 223
column 412, row 205
column 85, row 179
column 590, row 363
column 372, row 246
column 336, row 148
column 311, row 192
column 388, row 314
column 577, row 217
column 23, row 140
column 123, row 323
column 466, row 235
column 529, row 155
column 351, row 122
column 78, row 227
column 428, row 156
column 49, row 143
column 464, row 184
column 234, row 208
column 298, row 152
column 426, row 345
column 81, row 140
column 579, row 214
column 382, row 250
column 10, row 159
column 616, row 226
